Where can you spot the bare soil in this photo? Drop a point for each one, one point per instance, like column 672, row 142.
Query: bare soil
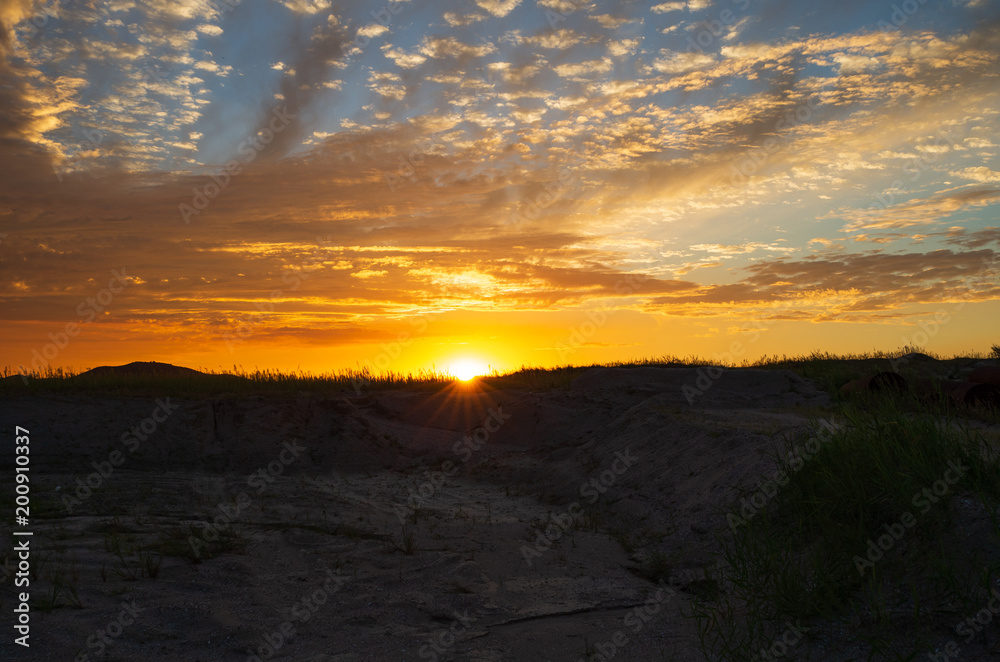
column 465, row 524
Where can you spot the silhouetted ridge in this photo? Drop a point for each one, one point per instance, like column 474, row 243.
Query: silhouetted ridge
column 142, row 369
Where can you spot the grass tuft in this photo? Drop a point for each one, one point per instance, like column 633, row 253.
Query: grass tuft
column 862, row 523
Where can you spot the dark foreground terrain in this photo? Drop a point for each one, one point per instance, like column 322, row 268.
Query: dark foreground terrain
column 582, row 522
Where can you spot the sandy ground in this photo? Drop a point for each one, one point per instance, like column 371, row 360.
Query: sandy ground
column 467, row 524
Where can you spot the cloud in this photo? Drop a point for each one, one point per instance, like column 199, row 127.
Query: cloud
column 878, row 280
column 306, row 6
column 565, row 7
column 832, row 286
column 209, row 29
column 498, row 7
column 690, row 5
column 623, row 47
column 213, row 67
column 613, row 22
column 980, row 174
column 182, row 9
column 980, row 143
column 973, row 239
column 451, row 47
column 671, row 62
column 561, row 39
column 386, row 84
column 524, row 158
column 515, row 74
column 921, row 211
column 373, row 30
column 583, row 68
column 736, row 249
column 403, row 59
column 852, row 64
column 304, row 77
column 462, row 20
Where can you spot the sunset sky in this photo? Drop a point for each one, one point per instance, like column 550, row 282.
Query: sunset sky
column 321, row 185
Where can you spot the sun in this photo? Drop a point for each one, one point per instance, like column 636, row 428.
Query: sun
column 467, row 369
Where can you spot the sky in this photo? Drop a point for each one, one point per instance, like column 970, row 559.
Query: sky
column 318, row 185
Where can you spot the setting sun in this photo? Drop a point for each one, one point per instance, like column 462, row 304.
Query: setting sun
column 467, row 369
column 684, row 179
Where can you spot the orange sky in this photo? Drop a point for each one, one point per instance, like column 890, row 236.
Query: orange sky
column 535, row 182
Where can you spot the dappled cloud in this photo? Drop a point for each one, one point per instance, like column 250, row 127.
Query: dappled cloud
column 361, row 166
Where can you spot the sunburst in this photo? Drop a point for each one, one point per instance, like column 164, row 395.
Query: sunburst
column 467, row 369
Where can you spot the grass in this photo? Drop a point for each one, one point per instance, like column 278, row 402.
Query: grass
column 58, row 588
column 656, row 568
column 237, row 382
column 829, row 370
column 803, row 554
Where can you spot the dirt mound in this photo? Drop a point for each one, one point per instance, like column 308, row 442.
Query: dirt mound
column 142, row 369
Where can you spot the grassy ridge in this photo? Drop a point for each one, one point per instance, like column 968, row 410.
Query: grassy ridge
column 829, row 370
column 845, row 544
column 237, row 382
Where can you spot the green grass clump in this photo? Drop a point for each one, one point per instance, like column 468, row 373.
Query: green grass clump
column 804, row 552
